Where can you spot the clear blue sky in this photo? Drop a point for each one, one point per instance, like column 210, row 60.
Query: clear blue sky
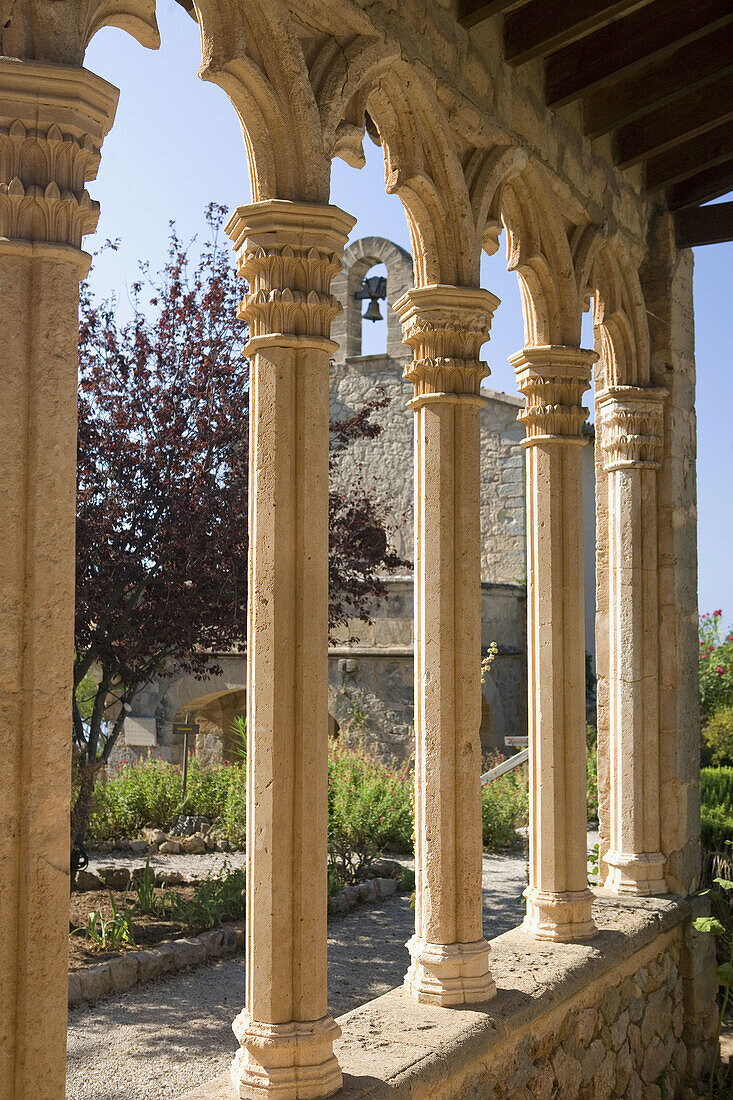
column 176, row 145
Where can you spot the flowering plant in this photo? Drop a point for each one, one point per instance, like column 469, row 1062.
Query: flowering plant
column 716, row 665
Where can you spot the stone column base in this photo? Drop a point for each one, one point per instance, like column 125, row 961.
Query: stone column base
column 564, row 916
column 637, row 875
column 292, row 1061
column 449, row 974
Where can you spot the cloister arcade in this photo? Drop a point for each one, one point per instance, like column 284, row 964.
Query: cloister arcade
column 470, row 148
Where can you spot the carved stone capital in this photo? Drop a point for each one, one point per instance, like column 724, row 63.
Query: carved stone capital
column 553, row 381
column 289, row 252
column 52, row 123
column 445, row 326
column 632, row 419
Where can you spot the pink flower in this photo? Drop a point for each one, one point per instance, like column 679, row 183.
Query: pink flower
column 720, row 670
column 717, row 614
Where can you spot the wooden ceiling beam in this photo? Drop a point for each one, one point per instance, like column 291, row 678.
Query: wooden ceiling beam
column 541, row 26
column 710, row 149
column 629, row 98
column 663, row 129
column 703, row 187
column 700, row 225
column 472, row 12
column 655, row 31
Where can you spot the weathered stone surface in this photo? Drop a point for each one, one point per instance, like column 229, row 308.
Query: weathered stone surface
column 568, row 1072
column 619, row 1029
column 150, row 965
column 138, row 846
column 386, row 886
column 624, row 1069
column 170, row 847
column 75, row 994
column 543, row 1082
column 186, row 953
column 213, row 942
column 586, row 1027
column 194, row 845
column 114, row 878
column 610, row 1004
column 87, row 880
column 123, row 972
column 368, row 891
column 94, row 982
column 591, row 1060
column 655, row 1060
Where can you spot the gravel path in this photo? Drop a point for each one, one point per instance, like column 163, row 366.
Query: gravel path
column 166, row 1037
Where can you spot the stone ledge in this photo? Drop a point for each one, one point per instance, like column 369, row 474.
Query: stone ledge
column 392, row 1047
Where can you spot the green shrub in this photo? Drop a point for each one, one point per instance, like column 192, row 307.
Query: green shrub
column 369, row 808
column 135, row 795
column 217, row 899
column 234, row 811
column 591, row 771
column 504, row 806
column 718, row 736
column 149, row 793
column 716, row 796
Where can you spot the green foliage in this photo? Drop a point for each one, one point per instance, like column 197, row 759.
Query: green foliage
column 716, row 666
column 594, row 860
column 718, row 736
column 149, row 793
column 724, row 974
column 708, row 924
column 145, row 890
column 369, row 808
column 135, row 795
column 716, row 792
column 238, row 735
column 504, row 806
column 407, row 880
column 107, row 934
column 591, row 771
column 234, row 812
column 217, row 899
column 85, row 694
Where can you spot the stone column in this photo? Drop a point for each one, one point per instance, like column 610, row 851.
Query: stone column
column 52, row 123
column 631, row 439
column 445, row 326
column 289, row 253
column 553, row 380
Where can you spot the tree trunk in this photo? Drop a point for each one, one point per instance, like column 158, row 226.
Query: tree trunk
column 82, row 808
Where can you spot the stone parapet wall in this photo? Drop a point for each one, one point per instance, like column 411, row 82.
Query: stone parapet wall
column 630, row 1015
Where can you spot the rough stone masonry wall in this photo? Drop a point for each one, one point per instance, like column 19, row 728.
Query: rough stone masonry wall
column 630, row 1016
column 386, row 463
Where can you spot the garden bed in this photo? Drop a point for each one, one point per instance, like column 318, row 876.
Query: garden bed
column 148, row 929
column 162, row 947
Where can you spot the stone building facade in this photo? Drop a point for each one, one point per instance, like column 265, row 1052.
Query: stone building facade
column 371, row 683
column 488, row 116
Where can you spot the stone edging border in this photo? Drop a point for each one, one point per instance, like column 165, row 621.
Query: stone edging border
column 137, row 967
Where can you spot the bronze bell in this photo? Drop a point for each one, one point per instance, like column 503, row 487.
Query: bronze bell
column 372, row 313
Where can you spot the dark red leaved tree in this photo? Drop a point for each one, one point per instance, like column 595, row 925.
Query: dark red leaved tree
column 161, row 524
